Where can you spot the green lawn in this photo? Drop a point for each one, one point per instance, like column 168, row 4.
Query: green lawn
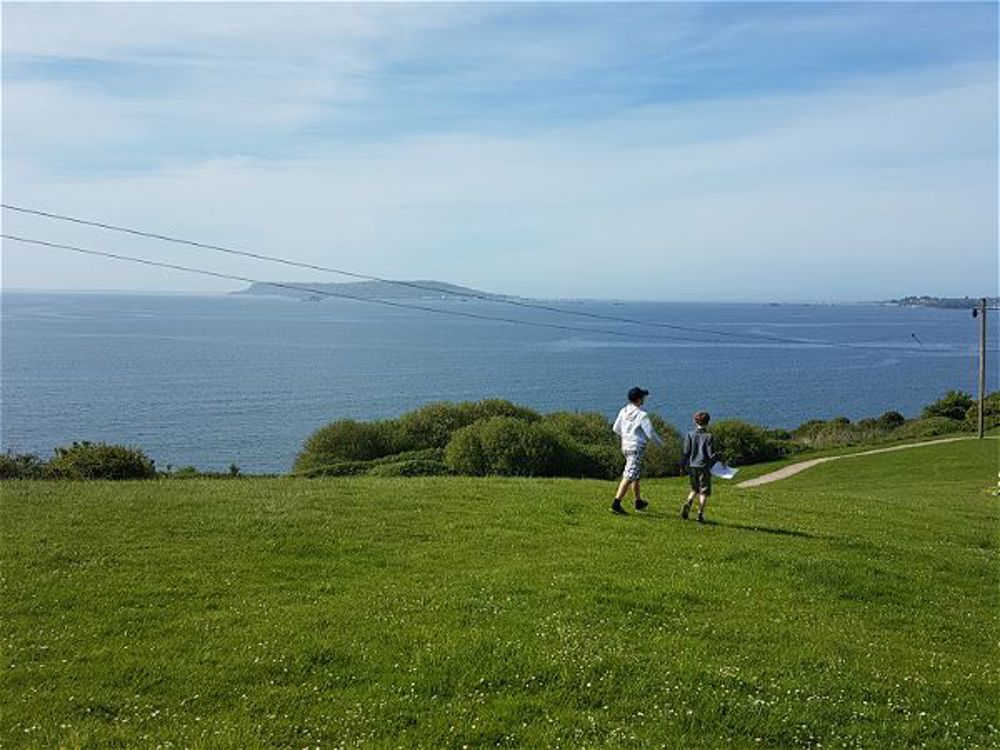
column 854, row 605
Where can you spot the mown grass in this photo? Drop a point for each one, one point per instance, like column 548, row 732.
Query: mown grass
column 854, row 605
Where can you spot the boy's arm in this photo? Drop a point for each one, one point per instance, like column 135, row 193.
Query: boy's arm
column 685, row 452
column 713, row 457
column 647, row 427
column 617, row 426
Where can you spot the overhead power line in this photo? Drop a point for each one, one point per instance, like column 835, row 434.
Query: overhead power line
column 469, row 294
column 386, row 303
column 322, row 292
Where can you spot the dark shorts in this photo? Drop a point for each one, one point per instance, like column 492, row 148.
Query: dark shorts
column 701, row 480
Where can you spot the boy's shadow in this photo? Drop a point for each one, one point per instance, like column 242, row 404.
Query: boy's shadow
column 659, row 515
column 767, row 530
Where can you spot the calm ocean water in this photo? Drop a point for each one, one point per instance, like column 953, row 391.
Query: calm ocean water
column 209, row 380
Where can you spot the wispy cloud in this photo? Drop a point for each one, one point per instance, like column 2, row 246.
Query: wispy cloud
column 816, row 152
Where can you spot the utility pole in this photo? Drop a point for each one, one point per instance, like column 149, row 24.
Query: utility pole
column 982, row 363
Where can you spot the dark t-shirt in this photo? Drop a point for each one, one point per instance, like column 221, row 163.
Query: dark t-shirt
column 699, row 450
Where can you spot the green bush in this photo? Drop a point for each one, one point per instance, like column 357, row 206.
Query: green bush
column 432, row 426
column 507, row 446
column 413, row 467
column 355, row 468
column 100, row 461
column 21, row 466
column 807, row 430
column 662, row 460
column 890, row 420
column 953, row 405
column 929, row 427
column 345, row 440
column 595, row 461
column 991, row 412
column 837, row 433
column 585, row 428
column 740, row 443
column 336, row 469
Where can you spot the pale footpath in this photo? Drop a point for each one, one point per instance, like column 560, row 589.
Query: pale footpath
column 793, row 469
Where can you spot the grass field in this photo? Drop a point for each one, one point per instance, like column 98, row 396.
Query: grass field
column 854, row 605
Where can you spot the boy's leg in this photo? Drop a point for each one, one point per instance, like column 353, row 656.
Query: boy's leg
column 702, row 502
column 693, row 482
column 686, row 508
column 622, row 488
column 639, row 502
column 616, row 505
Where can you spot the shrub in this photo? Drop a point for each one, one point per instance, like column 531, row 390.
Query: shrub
column 596, row 461
column 662, row 460
column 345, row 440
column 507, row 446
column 21, row 466
column 953, row 405
column 929, row 427
column 496, row 407
column 427, row 454
column 584, row 428
column 432, row 426
column 100, row 461
column 465, row 454
column 413, row 467
column 741, row 443
column 807, row 430
column 838, row 433
column 891, row 420
column 335, row 469
column 355, row 468
column 991, row 412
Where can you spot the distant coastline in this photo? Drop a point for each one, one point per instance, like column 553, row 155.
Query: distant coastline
column 945, row 303
column 403, row 290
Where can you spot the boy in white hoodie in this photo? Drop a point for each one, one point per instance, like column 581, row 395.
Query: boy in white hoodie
column 635, row 429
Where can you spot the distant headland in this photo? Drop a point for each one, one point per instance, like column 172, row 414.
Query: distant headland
column 948, row 303
column 398, row 290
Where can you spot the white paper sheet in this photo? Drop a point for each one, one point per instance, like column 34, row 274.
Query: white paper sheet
column 722, row 471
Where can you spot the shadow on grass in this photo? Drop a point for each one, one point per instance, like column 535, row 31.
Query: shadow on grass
column 767, row 530
column 651, row 515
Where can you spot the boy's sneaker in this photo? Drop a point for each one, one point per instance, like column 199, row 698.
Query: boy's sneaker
column 685, row 510
column 701, row 518
column 640, row 504
column 616, row 507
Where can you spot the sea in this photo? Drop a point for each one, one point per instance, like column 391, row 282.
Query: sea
column 214, row 380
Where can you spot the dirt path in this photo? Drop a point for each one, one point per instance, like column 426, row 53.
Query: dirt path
column 793, row 469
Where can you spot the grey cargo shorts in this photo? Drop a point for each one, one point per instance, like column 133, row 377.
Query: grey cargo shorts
column 633, row 463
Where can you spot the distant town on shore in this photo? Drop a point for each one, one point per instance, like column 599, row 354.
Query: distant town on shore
column 952, row 303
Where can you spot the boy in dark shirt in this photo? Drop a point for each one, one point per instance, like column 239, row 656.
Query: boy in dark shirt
column 697, row 459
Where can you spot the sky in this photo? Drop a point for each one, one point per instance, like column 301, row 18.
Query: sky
column 658, row 151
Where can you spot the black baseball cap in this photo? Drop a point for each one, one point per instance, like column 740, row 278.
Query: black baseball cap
column 636, row 393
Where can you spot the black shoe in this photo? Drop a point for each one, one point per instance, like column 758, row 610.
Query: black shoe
column 701, row 518
column 640, row 504
column 685, row 510
column 616, row 507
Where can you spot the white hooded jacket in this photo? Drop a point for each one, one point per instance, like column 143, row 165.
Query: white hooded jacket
column 634, row 428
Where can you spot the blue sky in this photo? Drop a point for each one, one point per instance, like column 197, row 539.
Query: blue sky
column 813, row 151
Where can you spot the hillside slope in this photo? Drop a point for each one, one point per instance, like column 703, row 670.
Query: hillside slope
column 852, row 605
